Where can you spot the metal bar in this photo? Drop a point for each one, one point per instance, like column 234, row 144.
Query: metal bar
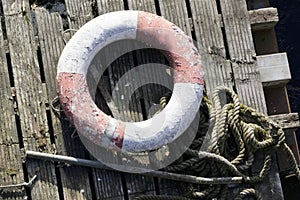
column 159, row 174
column 25, row 184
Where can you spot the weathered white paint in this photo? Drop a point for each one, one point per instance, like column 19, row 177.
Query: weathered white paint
column 93, row 36
column 168, row 124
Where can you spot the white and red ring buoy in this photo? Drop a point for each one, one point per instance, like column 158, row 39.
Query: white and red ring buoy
column 103, row 130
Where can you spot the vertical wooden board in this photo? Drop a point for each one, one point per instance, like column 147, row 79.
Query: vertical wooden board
column 241, row 51
column 106, row 190
column 145, row 5
column 249, row 88
column 76, row 184
column 248, row 85
column 29, row 92
column 27, row 80
column 238, row 30
column 75, row 22
column 138, row 185
column 210, row 42
column 75, row 179
column 15, row 7
column 105, row 6
column 176, row 12
column 8, row 128
column 11, row 171
column 79, row 12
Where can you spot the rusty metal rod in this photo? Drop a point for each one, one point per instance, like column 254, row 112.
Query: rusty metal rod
column 159, row 174
column 25, row 184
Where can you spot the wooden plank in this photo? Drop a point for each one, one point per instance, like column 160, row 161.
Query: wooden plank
column 176, row 12
column 265, row 18
column 11, row 171
column 238, row 31
column 8, row 128
column 29, row 93
column 113, row 178
column 79, row 12
column 105, row 6
column 210, row 40
column 139, row 185
column 242, row 53
column 107, row 190
column 249, row 88
column 75, row 180
column 289, row 122
column 145, row 5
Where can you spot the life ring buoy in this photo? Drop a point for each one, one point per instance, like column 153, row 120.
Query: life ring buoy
column 103, row 130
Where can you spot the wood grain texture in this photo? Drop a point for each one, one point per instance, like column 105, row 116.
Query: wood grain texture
column 74, row 180
column 176, row 12
column 29, row 94
column 246, row 77
column 145, row 5
column 79, row 12
column 210, row 43
column 105, row 6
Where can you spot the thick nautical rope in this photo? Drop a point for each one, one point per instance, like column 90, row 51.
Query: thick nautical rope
column 238, row 132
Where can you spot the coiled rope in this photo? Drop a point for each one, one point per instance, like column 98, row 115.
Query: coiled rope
column 235, row 132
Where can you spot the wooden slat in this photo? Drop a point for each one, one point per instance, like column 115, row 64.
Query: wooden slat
column 29, row 94
column 74, row 180
column 209, row 37
column 249, row 88
column 264, row 18
column 139, row 185
column 11, row 171
column 242, row 52
column 108, row 190
column 8, row 128
column 176, row 12
column 79, row 12
column 111, row 178
column 145, row 5
column 105, row 6
column 238, row 30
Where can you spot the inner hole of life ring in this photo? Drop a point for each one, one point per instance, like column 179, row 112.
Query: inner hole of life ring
column 131, row 78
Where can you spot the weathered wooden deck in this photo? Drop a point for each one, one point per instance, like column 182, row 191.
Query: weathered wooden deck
column 31, row 40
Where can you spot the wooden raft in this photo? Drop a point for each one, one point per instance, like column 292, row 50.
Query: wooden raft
column 32, row 39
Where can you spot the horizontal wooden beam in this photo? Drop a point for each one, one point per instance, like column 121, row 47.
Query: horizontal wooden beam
column 264, row 18
column 289, row 122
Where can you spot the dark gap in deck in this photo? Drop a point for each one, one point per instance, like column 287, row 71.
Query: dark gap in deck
column 50, row 127
column 124, row 186
column 156, row 185
column 10, row 70
column 64, row 18
column 227, row 56
column 126, row 6
column 41, row 65
column 91, row 179
column 218, row 6
column 3, row 22
column 94, row 6
column 233, row 80
column 58, row 181
column 190, row 16
column 143, row 106
column 26, row 179
column 157, row 8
